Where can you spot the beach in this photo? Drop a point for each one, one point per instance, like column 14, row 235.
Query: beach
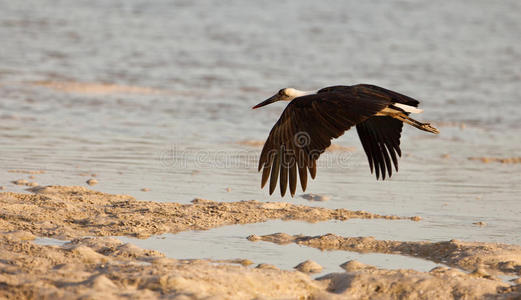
column 103, row 266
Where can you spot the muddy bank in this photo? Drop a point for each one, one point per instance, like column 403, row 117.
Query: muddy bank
column 96, row 268
column 93, row 268
column 78, row 211
column 477, row 257
column 96, row 88
column 104, row 267
column 361, row 281
column 503, row 160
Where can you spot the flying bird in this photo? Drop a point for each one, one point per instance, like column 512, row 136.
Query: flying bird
column 313, row 118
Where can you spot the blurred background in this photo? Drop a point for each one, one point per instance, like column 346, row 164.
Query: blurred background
column 157, row 95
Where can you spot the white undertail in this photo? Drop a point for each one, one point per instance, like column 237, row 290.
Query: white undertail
column 402, row 116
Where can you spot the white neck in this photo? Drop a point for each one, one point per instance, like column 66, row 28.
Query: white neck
column 294, row 93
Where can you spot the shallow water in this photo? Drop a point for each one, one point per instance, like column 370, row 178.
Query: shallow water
column 187, row 74
column 201, row 244
column 45, row 241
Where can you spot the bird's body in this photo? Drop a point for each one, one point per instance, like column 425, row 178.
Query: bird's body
column 311, row 120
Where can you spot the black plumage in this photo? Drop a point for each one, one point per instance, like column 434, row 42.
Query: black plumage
column 307, row 125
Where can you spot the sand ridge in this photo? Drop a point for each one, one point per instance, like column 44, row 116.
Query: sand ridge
column 96, row 88
column 78, row 211
column 503, row 160
column 94, row 268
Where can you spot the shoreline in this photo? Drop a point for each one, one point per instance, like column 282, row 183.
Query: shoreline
column 102, row 265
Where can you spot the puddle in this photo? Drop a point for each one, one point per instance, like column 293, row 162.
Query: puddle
column 45, row 241
column 230, row 242
column 508, row 278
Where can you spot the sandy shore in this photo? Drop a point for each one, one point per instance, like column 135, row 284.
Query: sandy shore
column 101, row 266
column 78, row 211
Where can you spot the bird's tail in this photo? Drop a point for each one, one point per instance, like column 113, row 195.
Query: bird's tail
column 422, row 126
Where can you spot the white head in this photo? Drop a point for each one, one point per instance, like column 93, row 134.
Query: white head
column 286, row 94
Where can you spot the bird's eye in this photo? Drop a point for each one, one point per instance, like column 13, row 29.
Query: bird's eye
column 281, row 92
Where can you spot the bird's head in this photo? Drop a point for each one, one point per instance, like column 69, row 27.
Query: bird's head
column 286, row 94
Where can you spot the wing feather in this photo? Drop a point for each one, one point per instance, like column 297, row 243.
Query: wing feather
column 305, row 130
column 380, row 137
column 274, row 173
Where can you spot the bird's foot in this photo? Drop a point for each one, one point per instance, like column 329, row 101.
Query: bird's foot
column 427, row 127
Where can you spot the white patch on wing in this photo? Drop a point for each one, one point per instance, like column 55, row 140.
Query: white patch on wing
column 408, row 108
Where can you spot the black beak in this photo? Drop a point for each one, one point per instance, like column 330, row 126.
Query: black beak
column 272, row 99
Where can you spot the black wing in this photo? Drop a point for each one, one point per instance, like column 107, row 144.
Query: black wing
column 380, row 137
column 392, row 95
column 374, row 91
column 305, row 130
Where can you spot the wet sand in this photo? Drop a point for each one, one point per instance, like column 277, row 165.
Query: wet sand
column 503, row 160
column 91, row 267
column 95, row 88
column 78, row 211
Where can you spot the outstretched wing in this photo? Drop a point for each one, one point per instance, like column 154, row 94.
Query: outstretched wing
column 380, row 137
column 305, row 130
